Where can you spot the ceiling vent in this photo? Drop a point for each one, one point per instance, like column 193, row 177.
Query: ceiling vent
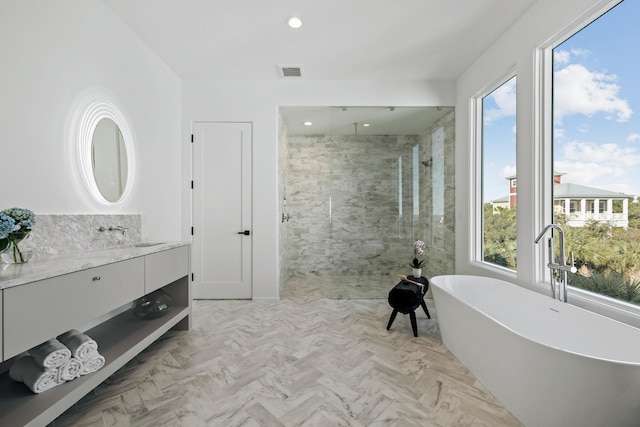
column 290, row 71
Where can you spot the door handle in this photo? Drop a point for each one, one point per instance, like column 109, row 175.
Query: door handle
column 245, row 232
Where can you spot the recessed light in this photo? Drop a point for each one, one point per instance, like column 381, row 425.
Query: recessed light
column 366, row 125
column 294, row 22
column 307, row 123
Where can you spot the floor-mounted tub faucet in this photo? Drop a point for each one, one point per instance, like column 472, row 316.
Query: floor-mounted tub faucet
column 563, row 268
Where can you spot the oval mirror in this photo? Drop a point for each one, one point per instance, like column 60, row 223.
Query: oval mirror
column 105, row 150
column 109, row 160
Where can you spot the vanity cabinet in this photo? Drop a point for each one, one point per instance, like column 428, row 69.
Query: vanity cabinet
column 165, row 267
column 103, row 296
column 48, row 308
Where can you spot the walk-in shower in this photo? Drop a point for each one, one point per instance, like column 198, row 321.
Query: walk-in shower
column 361, row 185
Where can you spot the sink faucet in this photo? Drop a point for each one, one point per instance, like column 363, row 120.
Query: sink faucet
column 563, row 268
column 118, row 228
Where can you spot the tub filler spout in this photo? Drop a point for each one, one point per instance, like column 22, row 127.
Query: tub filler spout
column 561, row 268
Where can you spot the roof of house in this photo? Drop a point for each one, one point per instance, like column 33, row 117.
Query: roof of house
column 554, row 174
column 576, row 191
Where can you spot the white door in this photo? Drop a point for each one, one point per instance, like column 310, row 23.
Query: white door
column 222, row 210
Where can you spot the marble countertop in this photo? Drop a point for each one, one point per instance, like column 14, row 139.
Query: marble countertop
column 45, row 268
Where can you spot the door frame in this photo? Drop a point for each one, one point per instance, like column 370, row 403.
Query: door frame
column 246, row 209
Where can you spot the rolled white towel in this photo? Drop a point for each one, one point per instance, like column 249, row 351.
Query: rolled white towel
column 81, row 345
column 92, row 365
column 70, row 370
column 37, row 378
column 50, row 354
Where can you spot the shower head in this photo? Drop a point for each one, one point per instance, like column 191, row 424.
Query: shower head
column 428, row 162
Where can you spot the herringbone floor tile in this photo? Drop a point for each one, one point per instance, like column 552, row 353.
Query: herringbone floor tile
column 310, row 359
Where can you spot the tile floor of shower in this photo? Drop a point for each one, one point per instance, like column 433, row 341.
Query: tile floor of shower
column 348, row 286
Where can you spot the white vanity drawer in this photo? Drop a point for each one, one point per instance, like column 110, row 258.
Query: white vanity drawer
column 165, row 267
column 39, row 311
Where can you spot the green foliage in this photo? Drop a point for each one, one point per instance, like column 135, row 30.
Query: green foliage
column 612, row 285
column 500, row 236
column 634, row 215
column 610, row 254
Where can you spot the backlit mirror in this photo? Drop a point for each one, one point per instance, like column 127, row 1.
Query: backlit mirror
column 105, row 150
column 109, row 160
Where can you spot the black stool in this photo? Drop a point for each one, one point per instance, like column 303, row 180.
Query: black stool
column 405, row 297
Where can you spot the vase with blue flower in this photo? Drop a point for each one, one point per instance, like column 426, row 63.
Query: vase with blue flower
column 15, row 226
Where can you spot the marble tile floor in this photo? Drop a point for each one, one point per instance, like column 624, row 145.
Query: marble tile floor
column 346, row 286
column 305, row 360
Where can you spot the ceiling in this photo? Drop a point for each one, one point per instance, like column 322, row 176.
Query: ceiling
column 339, row 39
column 395, row 40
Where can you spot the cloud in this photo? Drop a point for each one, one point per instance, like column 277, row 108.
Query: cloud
column 633, row 137
column 595, row 175
column 561, row 57
column 508, row 171
column 505, row 99
column 565, row 56
column 584, row 173
column 578, row 90
column 621, row 188
column 610, row 155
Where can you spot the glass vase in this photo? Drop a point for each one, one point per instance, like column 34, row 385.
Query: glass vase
column 14, row 254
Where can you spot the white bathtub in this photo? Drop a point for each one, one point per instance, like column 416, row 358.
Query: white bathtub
column 549, row 363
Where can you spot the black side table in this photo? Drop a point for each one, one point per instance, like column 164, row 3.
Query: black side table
column 405, row 297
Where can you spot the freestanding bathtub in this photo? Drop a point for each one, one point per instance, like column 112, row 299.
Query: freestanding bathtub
column 549, row 363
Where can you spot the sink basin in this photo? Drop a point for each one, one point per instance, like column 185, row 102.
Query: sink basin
column 146, row 244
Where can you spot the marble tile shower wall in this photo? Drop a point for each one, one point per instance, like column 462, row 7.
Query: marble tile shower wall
column 440, row 235
column 55, row 235
column 283, row 173
column 344, row 194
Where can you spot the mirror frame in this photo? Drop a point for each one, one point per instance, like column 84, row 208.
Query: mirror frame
column 92, row 115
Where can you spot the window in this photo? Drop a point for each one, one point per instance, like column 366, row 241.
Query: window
column 498, row 147
column 596, row 147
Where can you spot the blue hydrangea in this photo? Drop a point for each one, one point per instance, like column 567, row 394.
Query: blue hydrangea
column 24, row 218
column 7, row 224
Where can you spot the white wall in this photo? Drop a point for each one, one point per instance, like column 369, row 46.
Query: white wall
column 516, row 49
column 258, row 102
column 52, row 52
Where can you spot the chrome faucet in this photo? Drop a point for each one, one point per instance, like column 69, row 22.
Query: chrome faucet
column 562, row 268
column 118, row 228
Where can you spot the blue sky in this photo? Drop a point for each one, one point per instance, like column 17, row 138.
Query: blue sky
column 596, row 110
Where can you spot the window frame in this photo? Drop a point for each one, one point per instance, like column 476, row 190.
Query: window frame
column 543, row 168
column 476, row 254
